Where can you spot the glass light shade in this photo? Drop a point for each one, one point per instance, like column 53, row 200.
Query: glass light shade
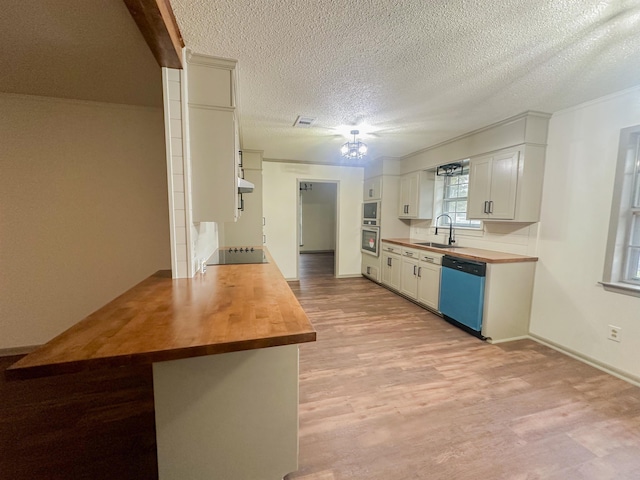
column 355, row 149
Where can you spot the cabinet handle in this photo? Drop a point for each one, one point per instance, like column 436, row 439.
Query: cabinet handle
column 484, row 210
column 388, row 261
column 368, row 270
column 370, row 192
column 241, row 207
column 414, row 271
column 419, row 272
column 490, row 206
column 264, row 239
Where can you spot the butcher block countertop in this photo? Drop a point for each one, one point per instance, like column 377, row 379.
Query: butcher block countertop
column 478, row 254
column 227, row 309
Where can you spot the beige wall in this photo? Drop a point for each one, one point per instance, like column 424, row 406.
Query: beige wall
column 570, row 309
column 280, row 195
column 83, row 210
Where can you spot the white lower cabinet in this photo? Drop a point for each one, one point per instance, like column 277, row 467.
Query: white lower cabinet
column 371, row 267
column 420, row 276
column 429, row 280
column 413, row 273
column 391, row 265
column 409, row 275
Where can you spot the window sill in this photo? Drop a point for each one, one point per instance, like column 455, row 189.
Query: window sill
column 623, row 288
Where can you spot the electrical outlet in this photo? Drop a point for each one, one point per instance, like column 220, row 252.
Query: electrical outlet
column 614, row 333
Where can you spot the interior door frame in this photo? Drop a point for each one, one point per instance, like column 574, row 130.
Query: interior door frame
column 336, row 255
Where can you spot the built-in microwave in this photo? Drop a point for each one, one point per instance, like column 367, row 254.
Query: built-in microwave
column 370, row 240
column 371, row 213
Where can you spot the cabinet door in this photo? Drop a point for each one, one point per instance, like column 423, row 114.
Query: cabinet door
column 214, row 168
column 504, row 183
column 386, row 269
column 479, row 187
column 405, row 194
column 409, row 277
column 429, row 284
column 408, row 206
column 373, row 189
column 493, row 182
column 391, row 270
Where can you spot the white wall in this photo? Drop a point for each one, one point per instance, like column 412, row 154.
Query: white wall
column 280, row 190
column 83, row 210
column 319, row 217
column 569, row 307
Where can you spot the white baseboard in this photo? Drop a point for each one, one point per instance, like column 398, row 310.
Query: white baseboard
column 9, row 352
column 627, row 377
column 505, row 340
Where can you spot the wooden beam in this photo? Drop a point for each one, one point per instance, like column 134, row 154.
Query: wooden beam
column 159, row 28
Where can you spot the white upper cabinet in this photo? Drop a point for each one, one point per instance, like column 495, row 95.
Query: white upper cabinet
column 416, row 196
column 212, row 138
column 507, row 185
column 373, row 189
column 493, row 180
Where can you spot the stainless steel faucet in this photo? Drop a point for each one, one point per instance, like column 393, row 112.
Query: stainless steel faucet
column 452, row 239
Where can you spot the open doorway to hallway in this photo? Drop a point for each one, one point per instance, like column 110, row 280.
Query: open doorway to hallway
column 317, row 227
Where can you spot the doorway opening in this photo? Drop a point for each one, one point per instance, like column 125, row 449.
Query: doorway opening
column 317, row 232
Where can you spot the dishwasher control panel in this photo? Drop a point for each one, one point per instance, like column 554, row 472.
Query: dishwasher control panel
column 478, row 269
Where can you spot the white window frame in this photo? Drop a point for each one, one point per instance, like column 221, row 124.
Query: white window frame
column 469, row 224
column 621, row 269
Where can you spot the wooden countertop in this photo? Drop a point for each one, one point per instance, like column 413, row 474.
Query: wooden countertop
column 227, row 309
column 481, row 255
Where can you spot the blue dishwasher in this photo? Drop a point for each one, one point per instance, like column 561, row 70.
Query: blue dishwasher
column 462, row 293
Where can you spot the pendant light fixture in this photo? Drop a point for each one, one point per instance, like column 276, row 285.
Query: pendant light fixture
column 354, row 150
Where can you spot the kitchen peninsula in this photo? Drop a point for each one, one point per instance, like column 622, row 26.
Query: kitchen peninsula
column 223, row 347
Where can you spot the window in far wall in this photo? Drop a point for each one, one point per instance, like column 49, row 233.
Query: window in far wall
column 622, row 265
column 454, row 202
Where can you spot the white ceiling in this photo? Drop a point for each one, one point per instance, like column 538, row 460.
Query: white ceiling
column 86, row 50
column 412, row 73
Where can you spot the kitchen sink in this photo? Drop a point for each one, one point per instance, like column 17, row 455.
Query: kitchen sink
column 436, row 245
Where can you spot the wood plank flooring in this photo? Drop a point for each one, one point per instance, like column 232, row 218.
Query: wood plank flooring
column 389, row 391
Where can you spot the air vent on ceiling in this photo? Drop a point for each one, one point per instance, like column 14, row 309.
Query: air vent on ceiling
column 303, row 122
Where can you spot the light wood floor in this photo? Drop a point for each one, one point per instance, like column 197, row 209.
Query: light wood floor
column 391, row 391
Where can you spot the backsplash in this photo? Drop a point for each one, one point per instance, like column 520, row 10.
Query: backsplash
column 204, row 236
column 518, row 238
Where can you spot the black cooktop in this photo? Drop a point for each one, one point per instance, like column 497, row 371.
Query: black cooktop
column 237, row 255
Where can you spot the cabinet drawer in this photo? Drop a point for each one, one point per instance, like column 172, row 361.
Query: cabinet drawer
column 408, row 252
column 428, row 257
column 386, row 247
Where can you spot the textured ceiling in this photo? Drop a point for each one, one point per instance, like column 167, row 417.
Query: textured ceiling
column 86, row 50
column 412, row 73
